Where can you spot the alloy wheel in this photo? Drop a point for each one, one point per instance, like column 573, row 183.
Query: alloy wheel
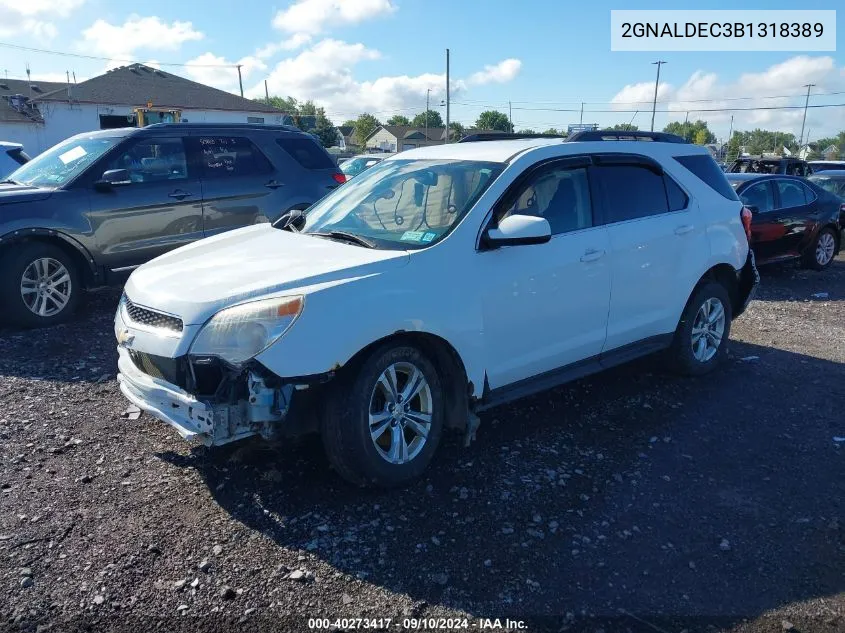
column 708, row 329
column 401, row 409
column 825, row 248
column 46, row 287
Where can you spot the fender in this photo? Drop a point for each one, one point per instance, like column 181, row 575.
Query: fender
column 23, row 234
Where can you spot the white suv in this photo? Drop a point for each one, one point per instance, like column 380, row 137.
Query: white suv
column 438, row 283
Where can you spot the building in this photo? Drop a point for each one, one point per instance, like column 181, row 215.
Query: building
column 41, row 115
column 347, row 132
column 396, row 138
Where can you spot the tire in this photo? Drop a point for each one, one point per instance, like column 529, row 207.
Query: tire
column 683, row 358
column 822, row 251
column 370, row 460
column 24, row 265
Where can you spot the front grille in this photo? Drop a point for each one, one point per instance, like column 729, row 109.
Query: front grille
column 151, row 318
column 171, row 370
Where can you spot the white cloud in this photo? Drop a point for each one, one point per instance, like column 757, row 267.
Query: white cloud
column 297, row 40
column 34, row 17
column 137, row 33
column 312, row 16
column 212, row 70
column 500, row 73
column 706, row 92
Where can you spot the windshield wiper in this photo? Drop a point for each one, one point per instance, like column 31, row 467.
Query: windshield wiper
column 9, row 181
column 349, row 237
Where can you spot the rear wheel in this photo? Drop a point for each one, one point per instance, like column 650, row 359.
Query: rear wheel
column 39, row 284
column 823, row 250
column 383, row 423
column 703, row 330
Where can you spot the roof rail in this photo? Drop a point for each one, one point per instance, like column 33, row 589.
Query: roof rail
column 620, row 135
column 503, row 136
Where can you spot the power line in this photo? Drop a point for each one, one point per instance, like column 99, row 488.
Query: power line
column 109, row 59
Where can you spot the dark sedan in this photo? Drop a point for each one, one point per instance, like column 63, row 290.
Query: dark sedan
column 792, row 218
column 834, row 182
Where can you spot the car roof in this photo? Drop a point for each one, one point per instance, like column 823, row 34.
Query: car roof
column 838, row 173
column 505, row 151
column 376, row 155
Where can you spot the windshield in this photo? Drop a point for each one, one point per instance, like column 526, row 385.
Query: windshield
column 403, row 204
column 835, row 185
column 355, row 166
column 62, row 162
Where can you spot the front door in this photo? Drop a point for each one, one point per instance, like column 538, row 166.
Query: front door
column 159, row 208
column 545, row 306
column 240, row 186
column 766, row 230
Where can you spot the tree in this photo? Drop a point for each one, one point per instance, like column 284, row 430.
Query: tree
column 365, row 125
column 733, row 148
column 701, row 137
column 289, row 105
column 689, row 130
column 625, row 127
column 526, row 131
column 434, row 119
column 552, row 130
column 398, row 119
column 493, row 120
column 456, row 131
column 348, row 123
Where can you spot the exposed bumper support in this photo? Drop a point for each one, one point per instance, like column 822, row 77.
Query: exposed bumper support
column 748, row 280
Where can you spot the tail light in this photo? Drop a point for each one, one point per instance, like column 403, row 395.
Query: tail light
column 745, row 215
column 339, row 178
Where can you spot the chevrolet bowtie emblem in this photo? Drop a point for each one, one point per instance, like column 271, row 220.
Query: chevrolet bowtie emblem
column 124, row 339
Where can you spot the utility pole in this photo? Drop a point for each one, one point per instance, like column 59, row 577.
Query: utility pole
column 659, row 63
column 510, row 116
column 581, row 120
column 730, row 136
column 686, row 131
column 446, row 140
column 266, row 92
column 427, row 93
column 240, row 80
column 804, row 120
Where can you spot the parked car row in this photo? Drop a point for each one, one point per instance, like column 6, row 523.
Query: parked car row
column 91, row 209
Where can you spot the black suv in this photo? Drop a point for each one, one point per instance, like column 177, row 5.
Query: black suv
column 89, row 210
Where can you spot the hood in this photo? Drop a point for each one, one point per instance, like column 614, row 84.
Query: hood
column 197, row 280
column 10, row 193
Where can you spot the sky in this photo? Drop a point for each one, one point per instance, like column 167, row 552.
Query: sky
column 544, row 57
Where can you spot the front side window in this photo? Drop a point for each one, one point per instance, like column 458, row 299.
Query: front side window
column 791, row 194
column 632, row 192
column 154, row 160
column 63, row 162
column 403, row 204
column 760, row 196
column 561, row 195
column 230, row 157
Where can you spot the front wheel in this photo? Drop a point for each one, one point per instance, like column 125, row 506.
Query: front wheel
column 382, row 424
column 821, row 253
column 703, row 331
column 39, row 284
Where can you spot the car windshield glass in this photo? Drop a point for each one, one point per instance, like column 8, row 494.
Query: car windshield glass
column 64, row 161
column 355, row 166
column 403, row 204
column 836, row 186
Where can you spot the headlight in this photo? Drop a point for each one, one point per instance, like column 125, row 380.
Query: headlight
column 241, row 332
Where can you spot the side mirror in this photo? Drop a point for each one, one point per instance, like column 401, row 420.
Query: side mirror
column 293, row 219
column 516, row 230
column 113, row 178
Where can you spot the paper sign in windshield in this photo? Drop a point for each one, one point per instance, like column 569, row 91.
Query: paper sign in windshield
column 72, row 154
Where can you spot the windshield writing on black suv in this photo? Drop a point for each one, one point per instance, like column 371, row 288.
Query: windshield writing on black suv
column 400, row 204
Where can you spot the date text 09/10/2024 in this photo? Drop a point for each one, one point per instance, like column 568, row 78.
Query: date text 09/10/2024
column 417, row 624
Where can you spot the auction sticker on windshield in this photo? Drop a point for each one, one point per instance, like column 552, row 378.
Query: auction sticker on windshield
column 413, row 236
column 72, row 154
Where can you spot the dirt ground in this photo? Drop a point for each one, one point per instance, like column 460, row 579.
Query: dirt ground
column 630, row 501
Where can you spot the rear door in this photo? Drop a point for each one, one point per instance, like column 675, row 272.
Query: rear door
column 766, row 229
column 794, row 215
column 159, row 208
column 657, row 244
column 240, row 186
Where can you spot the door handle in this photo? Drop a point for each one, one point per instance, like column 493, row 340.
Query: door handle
column 179, row 194
column 274, row 184
column 591, row 255
column 684, row 228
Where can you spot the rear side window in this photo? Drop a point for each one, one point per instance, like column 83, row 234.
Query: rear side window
column 231, row 156
column 677, row 198
column 306, row 152
column 631, row 192
column 794, row 194
column 708, row 171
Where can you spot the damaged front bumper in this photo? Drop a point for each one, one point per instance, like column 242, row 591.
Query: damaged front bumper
column 258, row 411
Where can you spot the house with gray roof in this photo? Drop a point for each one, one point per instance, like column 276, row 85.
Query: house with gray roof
column 39, row 115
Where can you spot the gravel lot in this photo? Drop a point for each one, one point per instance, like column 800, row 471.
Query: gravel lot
column 633, row 500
